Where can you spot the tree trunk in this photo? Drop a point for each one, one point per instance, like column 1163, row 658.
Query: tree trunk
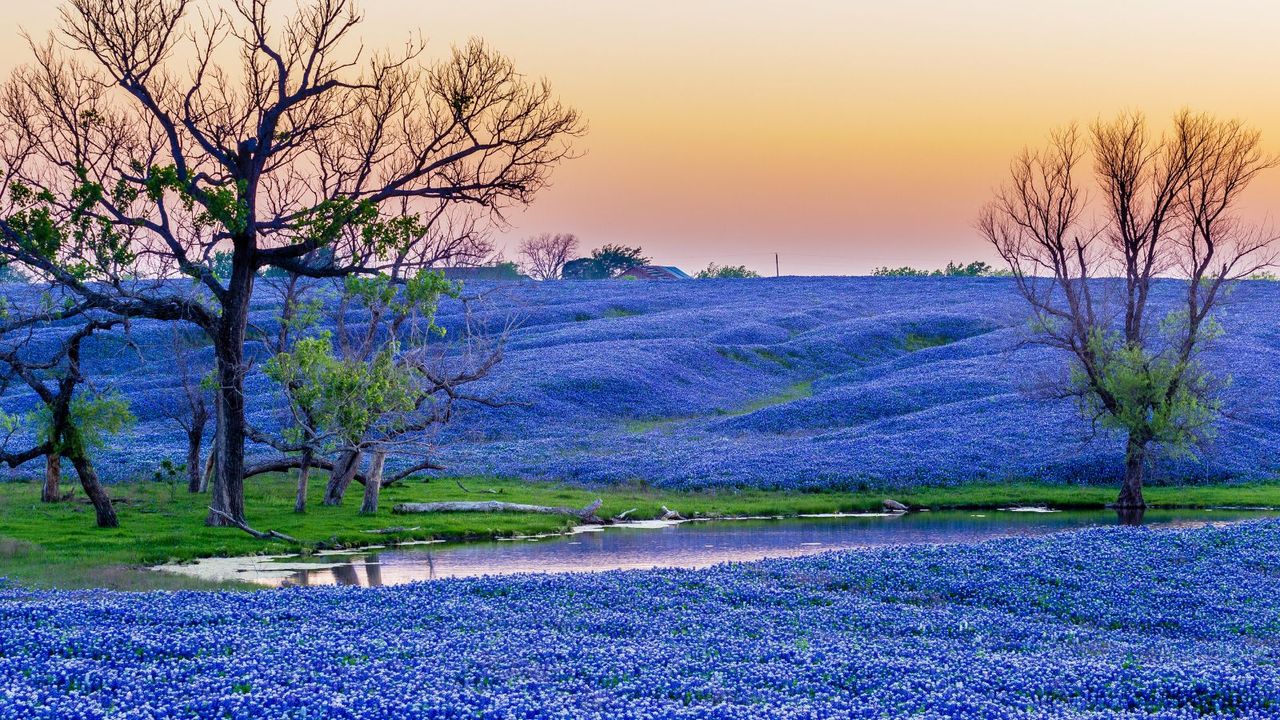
column 304, row 472
column 210, row 465
column 373, row 483
column 194, row 476
column 1131, row 491
column 97, row 494
column 228, row 484
column 52, row 489
column 343, row 472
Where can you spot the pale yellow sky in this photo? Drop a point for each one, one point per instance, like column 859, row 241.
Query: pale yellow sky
column 841, row 134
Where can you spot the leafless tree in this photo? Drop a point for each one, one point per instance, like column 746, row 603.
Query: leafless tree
column 1167, row 208
column 190, row 409
column 147, row 135
column 545, row 255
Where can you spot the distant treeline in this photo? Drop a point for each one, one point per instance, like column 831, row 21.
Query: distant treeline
column 976, row 268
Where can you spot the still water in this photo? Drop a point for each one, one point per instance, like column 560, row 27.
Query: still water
column 686, row 545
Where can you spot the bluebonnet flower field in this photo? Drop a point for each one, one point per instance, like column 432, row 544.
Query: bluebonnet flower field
column 1153, row 624
column 263, row 260
column 778, row 383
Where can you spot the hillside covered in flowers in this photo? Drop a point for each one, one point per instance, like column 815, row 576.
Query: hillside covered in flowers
column 786, row 383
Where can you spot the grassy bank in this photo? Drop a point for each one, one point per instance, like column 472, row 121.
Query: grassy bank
column 56, row 545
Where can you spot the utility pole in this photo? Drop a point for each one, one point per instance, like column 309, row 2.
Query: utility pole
column 776, row 271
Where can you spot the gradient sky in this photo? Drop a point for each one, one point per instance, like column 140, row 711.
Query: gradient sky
column 843, row 135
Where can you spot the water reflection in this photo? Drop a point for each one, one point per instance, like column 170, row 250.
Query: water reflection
column 1130, row 516
column 700, row 544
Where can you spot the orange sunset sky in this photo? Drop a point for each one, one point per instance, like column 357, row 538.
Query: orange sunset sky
column 843, row 135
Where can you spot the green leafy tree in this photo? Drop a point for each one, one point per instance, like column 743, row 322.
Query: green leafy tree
column 726, row 271
column 904, row 271
column 1155, row 400
column 146, row 137
column 973, row 269
column 1169, row 204
column 507, row 270
column 605, row 262
column 613, row 259
column 976, row 268
column 72, row 419
column 583, row 269
column 376, row 387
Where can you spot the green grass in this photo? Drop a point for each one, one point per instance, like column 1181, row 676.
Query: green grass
column 733, row 354
column 773, row 357
column 640, row 427
column 57, row 545
column 912, row 342
column 791, row 392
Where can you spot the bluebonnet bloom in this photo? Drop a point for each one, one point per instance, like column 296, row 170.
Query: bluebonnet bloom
column 1103, row 623
column 785, row 383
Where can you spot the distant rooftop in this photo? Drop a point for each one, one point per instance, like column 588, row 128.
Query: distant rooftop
column 656, row 272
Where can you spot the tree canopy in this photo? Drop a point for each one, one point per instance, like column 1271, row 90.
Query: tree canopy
column 605, row 262
column 1169, row 208
column 726, row 271
column 150, row 140
column 976, row 268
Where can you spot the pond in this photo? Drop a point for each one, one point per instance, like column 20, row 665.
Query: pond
column 691, row 544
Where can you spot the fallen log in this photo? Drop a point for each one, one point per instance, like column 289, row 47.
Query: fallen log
column 268, row 535
column 669, row 514
column 586, row 514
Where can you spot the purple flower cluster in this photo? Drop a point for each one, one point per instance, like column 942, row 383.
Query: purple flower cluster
column 1104, row 623
column 787, row 383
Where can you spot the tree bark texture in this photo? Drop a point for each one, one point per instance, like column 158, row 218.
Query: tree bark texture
column 51, row 491
column 227, row 501
column 344, row 470
column 373, row 484
column 1131, row 491
column 97, row 494
column 195, row 478
column 304, row 474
